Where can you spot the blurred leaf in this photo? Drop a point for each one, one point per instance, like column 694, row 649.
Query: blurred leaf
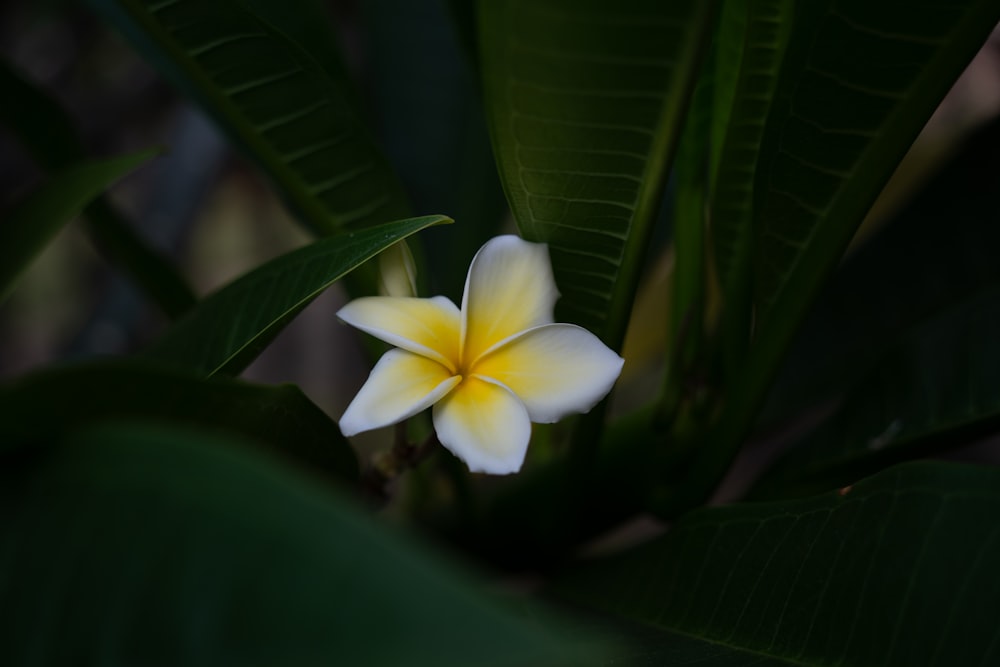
column 897, row 570
column 229, row 328
column 585, row 102
column 135, row 545
column 38, row 121
column 35, row 220
column 936, row 252
column 465, row 17
column 273, row 100
column 858, row 81
column 57, row 401
column 49, row 134
column 937, row 388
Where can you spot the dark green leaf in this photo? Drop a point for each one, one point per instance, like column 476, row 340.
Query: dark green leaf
column 859, row 80
column 49, row 134
column 750, row 50
column 939, row 250
column 131, row 545
column 585, row 101
column 38, row 121
column 28, row 228
column 309, row 24
column 687, row 304
column 897, row 570
column 42, row 406
column 937, row 388
column 758, row 31
column 274, row 100
column 228, row 329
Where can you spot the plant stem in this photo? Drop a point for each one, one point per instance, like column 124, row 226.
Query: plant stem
column 387, row 466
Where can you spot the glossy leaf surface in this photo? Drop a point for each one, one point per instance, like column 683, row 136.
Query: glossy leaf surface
column 585, row 101
column 896, row 570
column 859, row 81
column 229, row 328
column 274, row 100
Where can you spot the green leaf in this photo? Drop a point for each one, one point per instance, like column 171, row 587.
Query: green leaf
column 585, row 102
column 837, row 128
column 758, row 31
column 938, row 387
column 47, row 131
column 938, row 251
column 136, row 545
column 273, row 100
column 897, row 570
column 229, row 328
column 310, row 25
column 840, row 125
column 752, row 38
column 53, row 402
column 29, row 227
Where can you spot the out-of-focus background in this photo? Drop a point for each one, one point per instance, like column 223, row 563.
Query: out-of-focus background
column 215, row 216
column 209, row 209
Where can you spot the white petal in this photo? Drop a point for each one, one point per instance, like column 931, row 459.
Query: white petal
column 485, row 425
column 509, row 288
column 429, row 327
column 401, row 385
column 554, row 369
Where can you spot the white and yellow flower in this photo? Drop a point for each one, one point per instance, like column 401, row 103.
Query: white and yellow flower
column 489, row 369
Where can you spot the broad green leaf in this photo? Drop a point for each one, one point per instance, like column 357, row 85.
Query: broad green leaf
column 750, row 49
column 309, row 24
column 132, row 544
column 898, row 569
column 50, row 136
column 860, row 80
column 53, row 402
column 837, row 128
column 35, row 220
column 273, row 100
column 585, row 101
column 939, row 250
column 229, row 328
column 938, row 387
column 758, row 31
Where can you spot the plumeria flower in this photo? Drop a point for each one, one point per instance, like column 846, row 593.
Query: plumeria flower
column 489, row 369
